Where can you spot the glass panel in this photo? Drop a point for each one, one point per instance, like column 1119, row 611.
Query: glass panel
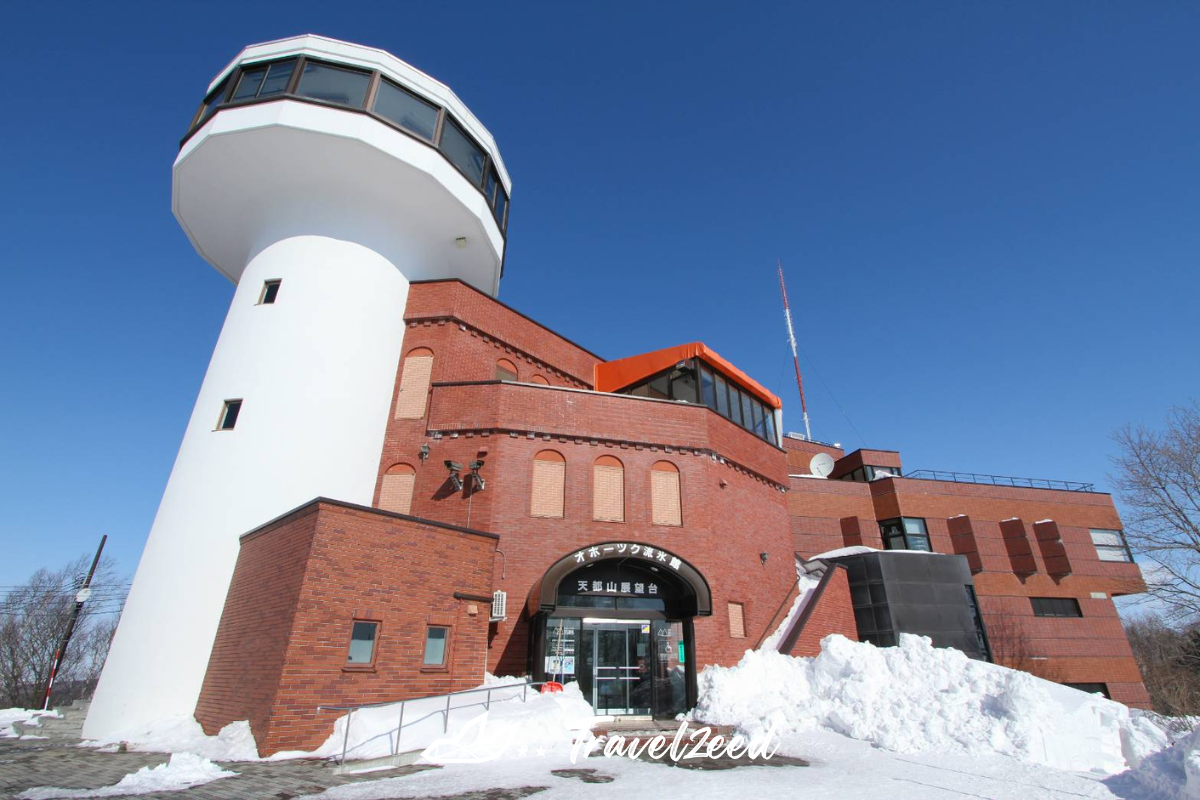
column 277, row 78
column 229, row 418
column 362, row 643
column 501, row 207
column 747, row 411
column 707, row 394
column 214, row 100
column 462, row 152
column 435, row 645
column 683, row 385
column 562, row 638
column 1107, row 537
column 921, row 543
column 722, row 396
column 915, row 525
column 333, row 84
column 489, row 187
column 248, row 84
column 668, row 670
column 756, row 411
column 735, row 404
column 406, row 110
column 771, row 427
column 1112, row 553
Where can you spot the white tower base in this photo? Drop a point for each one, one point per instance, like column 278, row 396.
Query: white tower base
column 316, row 371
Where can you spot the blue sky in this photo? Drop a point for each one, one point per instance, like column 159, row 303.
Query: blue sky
column 987, row 214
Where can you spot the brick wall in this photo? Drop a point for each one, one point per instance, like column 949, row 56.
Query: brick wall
column 832, row 613
column 328, row 564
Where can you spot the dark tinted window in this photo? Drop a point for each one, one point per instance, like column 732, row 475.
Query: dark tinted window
column 735, row 404
column 346, row 87
column 707, row 392
column 489, row 187
column 362, row 643
column 748, row 411
column 406, row 110
column 1090, row 688
column 906, row 533
column 249, row 83
column 462, row 152
column 501, row 207
column 229, row 415
column 722, row 395
column 278, row 77
column 771, row 426
column 1055, row 607
column 270, row 292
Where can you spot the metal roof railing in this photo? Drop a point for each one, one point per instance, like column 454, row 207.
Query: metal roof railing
column 999, row 480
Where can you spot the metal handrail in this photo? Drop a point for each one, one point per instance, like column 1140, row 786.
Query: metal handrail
column 999, row 480
column 487, row 704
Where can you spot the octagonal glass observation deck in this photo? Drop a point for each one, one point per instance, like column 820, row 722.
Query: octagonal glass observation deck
column 310, row 80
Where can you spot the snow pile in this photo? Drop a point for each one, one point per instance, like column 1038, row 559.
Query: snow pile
column 10, row 715
column 916, row 698
column 234, row 742
column 183, row 771
column 1170, row 773
column 527, row 716
column 545, row 722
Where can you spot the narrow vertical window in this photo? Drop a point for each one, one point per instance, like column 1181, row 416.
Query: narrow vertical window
column 396, row 491
column 608, row 490
column 435, row 645
column 269, row 292
column 229, row 415
column 414, row 384
column 549, row 484
column 737, row 621
column 506, row 370
column 665, row 502
column 362, row 643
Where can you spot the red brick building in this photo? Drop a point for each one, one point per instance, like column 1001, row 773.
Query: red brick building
column 542, row 512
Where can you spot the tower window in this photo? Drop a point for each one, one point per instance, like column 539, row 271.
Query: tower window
column 229, row 415
column 270, row 291
column 1110, row 545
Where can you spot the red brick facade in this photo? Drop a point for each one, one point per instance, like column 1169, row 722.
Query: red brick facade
column 1020, row 543
column 301, row 580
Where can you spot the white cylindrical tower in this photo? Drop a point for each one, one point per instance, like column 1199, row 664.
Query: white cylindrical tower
column 321, row 177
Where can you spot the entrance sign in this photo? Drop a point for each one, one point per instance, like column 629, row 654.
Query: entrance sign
column 628, row 549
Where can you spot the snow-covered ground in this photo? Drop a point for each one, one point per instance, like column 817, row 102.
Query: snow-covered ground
column 10, row 715
column 909, row 721
column 183, row 771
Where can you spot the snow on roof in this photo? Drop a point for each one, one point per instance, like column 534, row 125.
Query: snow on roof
column 1040, row 521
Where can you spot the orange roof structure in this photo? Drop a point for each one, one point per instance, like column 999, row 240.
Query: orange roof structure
column 611, row 376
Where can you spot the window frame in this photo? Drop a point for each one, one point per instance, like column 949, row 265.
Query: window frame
column 1068, row 607
column 357, row 666
column 270, row 283
column 904, row 534
column 235, row 404
column 678, row 473
column 1122, row 548
column 444, row 664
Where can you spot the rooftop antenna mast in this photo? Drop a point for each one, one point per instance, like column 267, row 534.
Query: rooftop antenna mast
column 787, row 314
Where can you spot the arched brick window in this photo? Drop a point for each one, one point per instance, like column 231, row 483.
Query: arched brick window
column 539, row 379
column 396, row 493
column 608, row 490
column 549, row 484
column 666, row 506
column 414, row 384
column 506, row 370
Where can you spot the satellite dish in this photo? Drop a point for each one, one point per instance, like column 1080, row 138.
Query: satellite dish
column 821, row 464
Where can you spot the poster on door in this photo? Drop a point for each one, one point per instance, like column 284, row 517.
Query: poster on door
column 560, row 665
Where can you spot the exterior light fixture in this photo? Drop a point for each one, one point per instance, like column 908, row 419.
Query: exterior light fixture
column 764, row 556
column 477, row 465
column 461, row 243
column 424, row 455
column 455, row 476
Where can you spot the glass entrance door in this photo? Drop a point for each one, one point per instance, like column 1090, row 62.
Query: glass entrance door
column 620, row 666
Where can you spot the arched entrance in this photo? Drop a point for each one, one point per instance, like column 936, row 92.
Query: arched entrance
column 617, row 618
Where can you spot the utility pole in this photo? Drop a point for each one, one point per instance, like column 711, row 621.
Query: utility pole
column 81, row 597
column 787, row 313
